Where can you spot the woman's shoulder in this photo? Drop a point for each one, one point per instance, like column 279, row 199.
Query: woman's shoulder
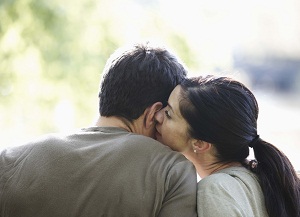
column 233, row 191
column 214, row 180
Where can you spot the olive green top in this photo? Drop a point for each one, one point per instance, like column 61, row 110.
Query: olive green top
column 231, row 192
column 96, row 172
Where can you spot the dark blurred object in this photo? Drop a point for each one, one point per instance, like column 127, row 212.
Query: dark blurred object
column 270, row 72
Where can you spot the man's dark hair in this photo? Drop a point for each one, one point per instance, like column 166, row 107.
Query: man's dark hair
column 136, row 78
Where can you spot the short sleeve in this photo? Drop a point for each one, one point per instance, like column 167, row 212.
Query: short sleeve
column 215, row 199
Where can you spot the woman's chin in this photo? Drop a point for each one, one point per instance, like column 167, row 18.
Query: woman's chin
column 158, row 137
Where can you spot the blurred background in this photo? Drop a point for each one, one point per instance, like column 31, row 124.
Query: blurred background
column 52, row 54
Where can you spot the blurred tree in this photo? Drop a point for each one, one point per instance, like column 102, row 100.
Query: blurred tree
column 52, row 54
column 47, row 58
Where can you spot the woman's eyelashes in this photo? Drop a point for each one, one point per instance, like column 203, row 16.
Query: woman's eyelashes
column 167, row 114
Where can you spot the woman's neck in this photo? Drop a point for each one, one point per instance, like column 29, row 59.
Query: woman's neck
column 208, row 169
column 207, row 166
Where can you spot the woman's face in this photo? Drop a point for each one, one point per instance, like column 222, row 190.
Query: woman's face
column 172, row 128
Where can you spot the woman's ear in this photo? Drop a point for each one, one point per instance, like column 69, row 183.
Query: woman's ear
column 200, row 146
column 150, row 112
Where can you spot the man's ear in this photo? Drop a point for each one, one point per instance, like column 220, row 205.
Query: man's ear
column 200, row 146
column 149, row 114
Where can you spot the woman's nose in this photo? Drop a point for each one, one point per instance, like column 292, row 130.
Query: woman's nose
column 159, row 116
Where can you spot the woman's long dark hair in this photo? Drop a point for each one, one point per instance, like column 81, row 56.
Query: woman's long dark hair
column 224, row 112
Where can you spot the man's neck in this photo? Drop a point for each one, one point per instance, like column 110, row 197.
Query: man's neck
column 114, row 121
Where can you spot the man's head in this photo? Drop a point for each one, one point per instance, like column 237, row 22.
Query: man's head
column 137, row 77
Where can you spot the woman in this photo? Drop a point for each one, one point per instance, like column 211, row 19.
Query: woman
column 213, row 122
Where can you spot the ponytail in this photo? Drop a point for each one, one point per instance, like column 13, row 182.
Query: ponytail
column 279, row 180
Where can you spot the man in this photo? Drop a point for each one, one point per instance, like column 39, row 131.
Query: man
column 113, row 168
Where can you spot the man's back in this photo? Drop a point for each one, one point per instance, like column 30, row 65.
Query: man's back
column 99, row 171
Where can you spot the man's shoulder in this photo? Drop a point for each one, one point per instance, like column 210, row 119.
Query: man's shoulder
column 34, row 143
column 144, row 142
column 138, row 138
column 143, row 145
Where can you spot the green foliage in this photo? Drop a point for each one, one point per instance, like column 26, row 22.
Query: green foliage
column 52, row 54
column 44, row 62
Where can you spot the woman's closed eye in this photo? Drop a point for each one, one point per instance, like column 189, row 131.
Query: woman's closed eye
column 167, row 113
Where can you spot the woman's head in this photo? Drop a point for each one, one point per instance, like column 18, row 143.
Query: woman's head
column 221, row 111
column 219, row 115
column 217, row 110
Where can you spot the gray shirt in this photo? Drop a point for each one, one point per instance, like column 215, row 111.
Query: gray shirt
column 231, row 192
column 96, row 172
